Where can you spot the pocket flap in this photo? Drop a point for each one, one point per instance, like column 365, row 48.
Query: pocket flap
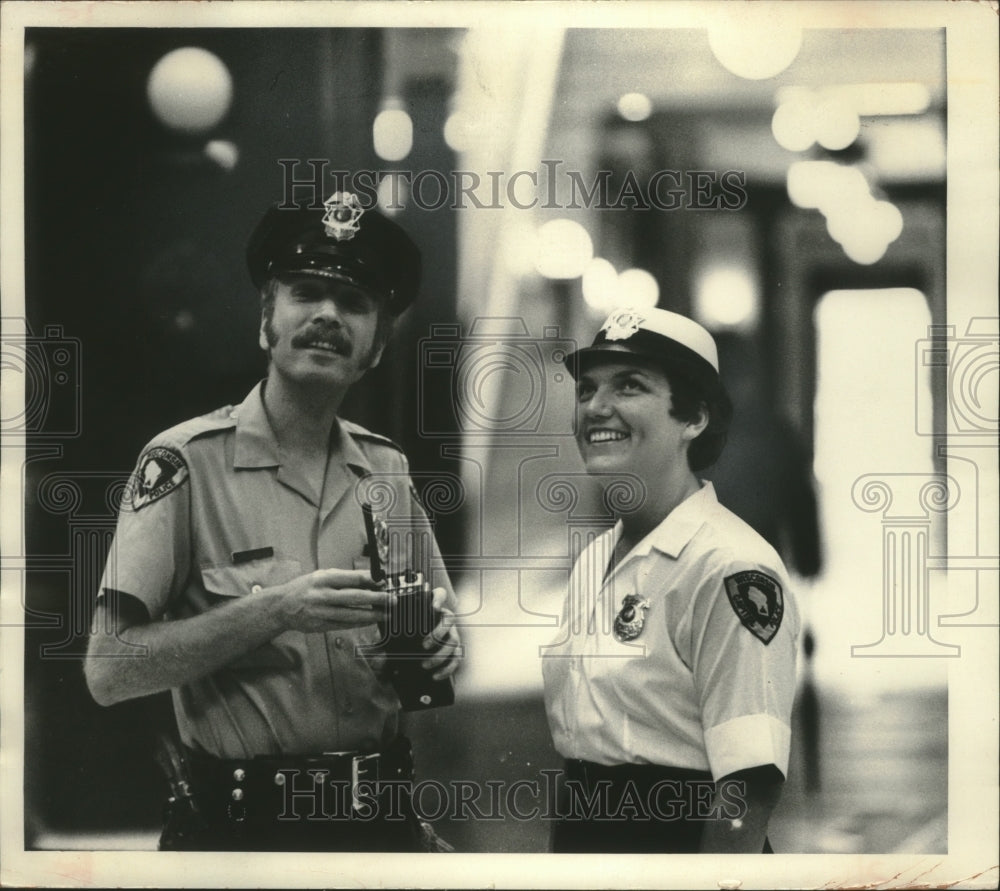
column 237, row 580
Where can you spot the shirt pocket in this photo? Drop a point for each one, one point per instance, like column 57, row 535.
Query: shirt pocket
column 240, row 579
column 225, row 581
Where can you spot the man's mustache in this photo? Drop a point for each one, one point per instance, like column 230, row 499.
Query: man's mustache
column 330, row 334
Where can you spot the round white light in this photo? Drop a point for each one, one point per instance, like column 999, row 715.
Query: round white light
column 825, row 185
column 860, row 230
column 755, row 49
column 888, row 219
column 393, row 193
column 836, row 123
column 725, row 297
column 841, row 226
column 563, row 249
column 863, row 251
column 600, row 285
column 190, row 89
column 518, row 248
column 392, row 133
column 635, row 107
column 637, row 288
column 811, row 183
column 793, row 125
column 223, row 152
column 458, row 131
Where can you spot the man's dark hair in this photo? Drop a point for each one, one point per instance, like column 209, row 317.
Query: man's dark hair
column 687, row 397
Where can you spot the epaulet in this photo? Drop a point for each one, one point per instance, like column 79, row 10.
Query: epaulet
column 359, row 432
column 181, row 434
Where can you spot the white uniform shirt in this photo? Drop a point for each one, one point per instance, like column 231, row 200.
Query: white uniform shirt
column 708, row 681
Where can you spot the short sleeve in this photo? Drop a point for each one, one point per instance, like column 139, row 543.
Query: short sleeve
column 744, row 636
column 150, row 554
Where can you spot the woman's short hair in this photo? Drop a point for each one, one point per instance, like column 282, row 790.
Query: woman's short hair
column 687, row 398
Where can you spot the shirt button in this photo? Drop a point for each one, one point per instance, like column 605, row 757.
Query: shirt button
column 338, row 642
column 239, row 774
column 256, row 589
column 237, row 794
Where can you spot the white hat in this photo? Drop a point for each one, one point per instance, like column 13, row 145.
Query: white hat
column 657, row 334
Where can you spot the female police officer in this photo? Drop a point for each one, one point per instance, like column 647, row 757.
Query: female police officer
column 670, row 685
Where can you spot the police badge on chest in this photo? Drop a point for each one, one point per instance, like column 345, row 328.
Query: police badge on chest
column 631, row 618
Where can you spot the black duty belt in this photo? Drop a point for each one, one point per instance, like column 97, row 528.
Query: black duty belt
column 590, row 773
column 330, row 785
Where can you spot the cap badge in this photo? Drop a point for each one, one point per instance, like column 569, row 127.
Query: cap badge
column 622, row 325
column 631, row 617
column 343, row 215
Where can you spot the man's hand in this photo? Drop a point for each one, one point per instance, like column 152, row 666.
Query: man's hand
column 332, row 599
column 444, row 639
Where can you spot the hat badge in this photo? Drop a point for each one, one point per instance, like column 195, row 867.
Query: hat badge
column 622, row 325
column 342, row 219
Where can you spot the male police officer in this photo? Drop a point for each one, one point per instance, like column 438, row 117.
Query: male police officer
column 239, row 577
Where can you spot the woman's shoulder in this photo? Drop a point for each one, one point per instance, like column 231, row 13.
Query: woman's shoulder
column 730, row 542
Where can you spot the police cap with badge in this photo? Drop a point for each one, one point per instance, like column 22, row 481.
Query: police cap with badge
column 340, row 240
column 677, row 345
column 658, row 336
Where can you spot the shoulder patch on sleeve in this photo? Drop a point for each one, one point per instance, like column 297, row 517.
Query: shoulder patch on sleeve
column 160, row 471
column 757, row 600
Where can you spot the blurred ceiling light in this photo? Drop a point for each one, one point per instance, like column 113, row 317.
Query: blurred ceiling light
column 804, row 182
column 871, row 100
column 460, row 131
column 517, row 247
column 825, row 185
column 868, row 99
column 190, row 89
column 793, row 125
column 725, row 297
column 637, row 288
column 888, row 219
column 223, row 152
column 600, row 285
column 754, row 49
column 865, row 251
column 635, row 107
column 911, row 149
column 562, row 249
column 865, row 230
column 392, row 131
column 865, row 100
column 392, row 193
column 836, row 123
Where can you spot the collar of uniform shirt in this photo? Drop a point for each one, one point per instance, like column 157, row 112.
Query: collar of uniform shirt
column 257, row 446
column 676, row 529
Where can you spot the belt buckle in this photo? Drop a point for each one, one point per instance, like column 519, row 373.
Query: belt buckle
column 363, row 768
